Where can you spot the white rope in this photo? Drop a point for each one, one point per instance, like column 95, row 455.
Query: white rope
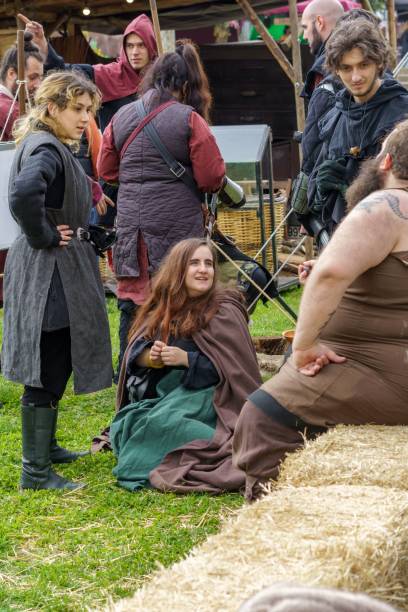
column 273, row 234
column 19, row 85
column 261, row 291
column 27, row 95
column 279, row 269
column 299, row 244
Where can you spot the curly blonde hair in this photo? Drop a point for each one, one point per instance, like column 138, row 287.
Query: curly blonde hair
column 61, row 88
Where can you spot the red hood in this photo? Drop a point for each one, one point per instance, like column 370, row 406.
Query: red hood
column 142, row 26
column 118, row 79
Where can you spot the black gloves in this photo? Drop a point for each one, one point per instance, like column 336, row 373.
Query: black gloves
column 330, row 179
column 331, row 176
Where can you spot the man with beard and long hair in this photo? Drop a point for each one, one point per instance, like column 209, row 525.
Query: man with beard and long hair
column 365, row 111
column 349, row 361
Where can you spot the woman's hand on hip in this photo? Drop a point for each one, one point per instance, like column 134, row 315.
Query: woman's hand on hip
column 174, row 356
column 65, row 233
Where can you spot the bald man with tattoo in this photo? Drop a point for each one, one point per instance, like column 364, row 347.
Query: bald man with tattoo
column 350, row 352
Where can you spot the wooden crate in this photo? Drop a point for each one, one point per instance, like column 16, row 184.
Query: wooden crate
column 243, row 225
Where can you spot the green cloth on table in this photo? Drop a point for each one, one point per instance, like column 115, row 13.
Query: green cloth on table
column 143, row 433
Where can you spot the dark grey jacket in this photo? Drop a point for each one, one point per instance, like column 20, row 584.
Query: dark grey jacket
column 350, row 124
column 30, row 266
column 151, row 200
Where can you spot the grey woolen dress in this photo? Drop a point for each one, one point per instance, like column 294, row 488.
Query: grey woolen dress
column 30, row 271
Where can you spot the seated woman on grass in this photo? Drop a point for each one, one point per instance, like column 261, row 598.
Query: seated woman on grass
column 188, row 369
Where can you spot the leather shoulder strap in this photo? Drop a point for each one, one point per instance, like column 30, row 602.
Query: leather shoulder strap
column 175, row 166
column 146, row 119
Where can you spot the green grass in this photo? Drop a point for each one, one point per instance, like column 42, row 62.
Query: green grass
column 66, row 551
column 269, row 320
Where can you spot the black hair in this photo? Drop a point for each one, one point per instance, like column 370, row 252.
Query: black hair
column 180, row 72
column 10, row 58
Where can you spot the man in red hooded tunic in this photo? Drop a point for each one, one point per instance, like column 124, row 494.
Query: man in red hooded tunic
column 118, row 80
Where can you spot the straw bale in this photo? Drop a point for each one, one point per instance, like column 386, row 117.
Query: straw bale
column 359, row 455
column 346, row 537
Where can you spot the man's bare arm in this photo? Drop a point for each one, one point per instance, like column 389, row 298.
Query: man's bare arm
column 365, row 237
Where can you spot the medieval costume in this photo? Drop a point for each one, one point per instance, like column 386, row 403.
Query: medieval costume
column 369, row 328
column 316, row 73
column 155, row 209
column 178, row 436
column 350, row 132
column 55, row 320
column 8, row 115
column 117, row 81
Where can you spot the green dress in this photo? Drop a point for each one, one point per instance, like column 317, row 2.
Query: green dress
column 143, row 433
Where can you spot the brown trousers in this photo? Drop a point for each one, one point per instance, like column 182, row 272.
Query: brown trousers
column 261, row 443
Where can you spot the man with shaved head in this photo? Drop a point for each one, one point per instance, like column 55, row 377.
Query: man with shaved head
column 318, row 21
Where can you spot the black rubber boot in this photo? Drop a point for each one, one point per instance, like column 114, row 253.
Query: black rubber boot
column 58, row 454
column 37, row 427
column 127, row 314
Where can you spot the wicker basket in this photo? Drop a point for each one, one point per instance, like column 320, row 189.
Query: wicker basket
column 107, row 276
column 244, row 227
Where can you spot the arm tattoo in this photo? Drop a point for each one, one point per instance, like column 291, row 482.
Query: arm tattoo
column 392, row 201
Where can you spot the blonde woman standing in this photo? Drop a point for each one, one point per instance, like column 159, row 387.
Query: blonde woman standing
column 55, row 320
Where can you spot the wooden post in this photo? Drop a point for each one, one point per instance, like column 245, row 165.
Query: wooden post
column 294, row 73
column 156, row 26
column 366, row 4
column 297, row 66
column 21, row 66
column 271, row 44
column 300, row 105
column 52, row 27
column 392, row 29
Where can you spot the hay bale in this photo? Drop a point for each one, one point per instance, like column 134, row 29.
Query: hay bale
column 347, row 537
column 358, row 455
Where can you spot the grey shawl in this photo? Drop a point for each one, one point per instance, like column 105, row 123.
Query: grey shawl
column 27, row 279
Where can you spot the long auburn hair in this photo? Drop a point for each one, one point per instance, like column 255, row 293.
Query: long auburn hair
column 180, row 72
column 170, row 311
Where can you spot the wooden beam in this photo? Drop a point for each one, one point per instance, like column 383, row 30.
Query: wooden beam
column 52, row 27
column 366, row 4
column 297, row 66
column 40, row 12
column 300, row 105
column 156, row 26
column 21, row 66
column 271, row 44
column 42, row 16
column 392, row 30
